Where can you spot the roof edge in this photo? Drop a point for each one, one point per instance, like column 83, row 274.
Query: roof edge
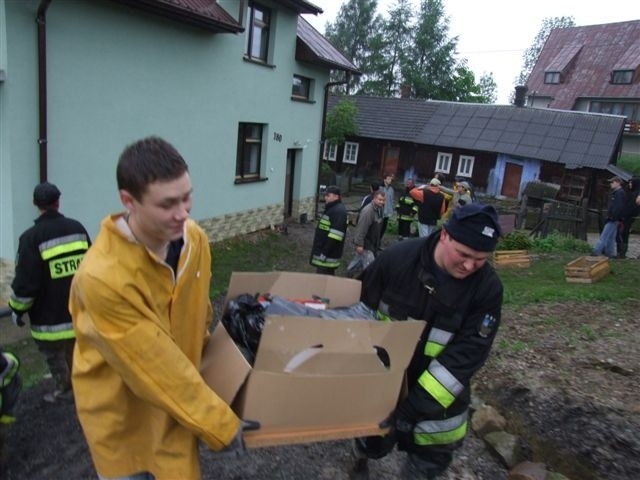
column 169, row 10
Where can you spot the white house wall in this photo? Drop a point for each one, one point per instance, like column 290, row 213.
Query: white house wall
column 115, row 75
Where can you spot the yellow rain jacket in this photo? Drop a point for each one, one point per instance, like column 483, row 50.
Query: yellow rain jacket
column 140, row 333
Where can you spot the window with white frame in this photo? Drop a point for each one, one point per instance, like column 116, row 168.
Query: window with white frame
column 330, row 151
column 465, row 166
column 350, row 153
column 443, row 163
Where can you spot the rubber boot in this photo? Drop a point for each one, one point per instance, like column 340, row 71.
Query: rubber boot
column 415, row 469
column 359, row 469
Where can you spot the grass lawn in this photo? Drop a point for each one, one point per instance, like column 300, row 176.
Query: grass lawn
column 542, row 282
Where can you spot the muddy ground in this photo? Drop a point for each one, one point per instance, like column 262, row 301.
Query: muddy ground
column 571, row 393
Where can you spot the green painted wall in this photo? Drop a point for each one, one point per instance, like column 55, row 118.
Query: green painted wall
column 6, row 203
column 117, row 74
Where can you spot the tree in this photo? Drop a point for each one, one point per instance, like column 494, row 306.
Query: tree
column 398, row 32
column 465, row 87
column 341, row 122
column 531, row 54
column 430, row 65
column 376, row 81
column 405, row 49
column 488, row 88
column 356, row 24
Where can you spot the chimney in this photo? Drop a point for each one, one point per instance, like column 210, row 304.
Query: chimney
column 521, row 95
column 405, row 91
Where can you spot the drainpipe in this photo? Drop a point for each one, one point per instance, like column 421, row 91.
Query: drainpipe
column 322, row 139
column 41, row 20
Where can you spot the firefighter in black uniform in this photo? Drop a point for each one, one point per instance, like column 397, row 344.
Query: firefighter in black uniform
column 407, row 208
column 10, row 387
column 445, row 280
column 49, row 253
column 328, row 242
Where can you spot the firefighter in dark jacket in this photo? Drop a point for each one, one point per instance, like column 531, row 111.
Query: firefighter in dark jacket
column 49, row 253
column 328, row 242
column 444, row 280
column 406, row 208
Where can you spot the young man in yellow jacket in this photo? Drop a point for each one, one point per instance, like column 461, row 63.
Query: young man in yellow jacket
column 141, row 310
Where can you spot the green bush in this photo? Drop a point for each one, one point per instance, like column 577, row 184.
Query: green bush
column 556, row 241
column 630, row 162
column 560, row 242
column 392, row 226
column 516, row 240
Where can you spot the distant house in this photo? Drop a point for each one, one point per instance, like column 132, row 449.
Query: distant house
column 594, row 68
column 237, row 87
column 497, row 148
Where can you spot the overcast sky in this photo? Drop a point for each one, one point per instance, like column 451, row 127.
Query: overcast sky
column 493, row 34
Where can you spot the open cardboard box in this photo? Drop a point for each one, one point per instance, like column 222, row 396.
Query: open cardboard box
column 313, row 379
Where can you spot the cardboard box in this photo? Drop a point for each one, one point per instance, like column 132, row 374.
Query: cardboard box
column 586, row 269
column 313, row 379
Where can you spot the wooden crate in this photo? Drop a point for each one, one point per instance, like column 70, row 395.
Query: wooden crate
column 586, row 269
column 511, row 258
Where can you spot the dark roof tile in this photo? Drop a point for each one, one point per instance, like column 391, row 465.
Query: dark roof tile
column 541, row 134
column 576, row 146
column 313, row 47
column 205, row 14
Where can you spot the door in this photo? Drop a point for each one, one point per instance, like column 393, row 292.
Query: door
column 288, row 183
column 511, row 180
column 390, row 159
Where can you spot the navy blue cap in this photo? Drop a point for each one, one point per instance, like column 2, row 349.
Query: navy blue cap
column 475, row 225
column 45, row 194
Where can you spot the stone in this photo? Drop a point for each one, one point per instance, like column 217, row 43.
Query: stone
column 528, row 471
column 556, row 476
column 487, row 419
column 505, row 447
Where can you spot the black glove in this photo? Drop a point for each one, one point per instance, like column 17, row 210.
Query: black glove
column 16, row 319
column 237, row 444
column 402, row 421
column 248, row 425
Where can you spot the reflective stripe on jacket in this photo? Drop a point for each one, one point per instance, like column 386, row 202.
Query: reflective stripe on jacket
column 49, row 253
column 328, row 241
column 462, row 318
column 407, row 208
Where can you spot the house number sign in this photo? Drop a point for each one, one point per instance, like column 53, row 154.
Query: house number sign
column 277, row 136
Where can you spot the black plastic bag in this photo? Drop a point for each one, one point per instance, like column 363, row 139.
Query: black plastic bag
column 244, row 321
